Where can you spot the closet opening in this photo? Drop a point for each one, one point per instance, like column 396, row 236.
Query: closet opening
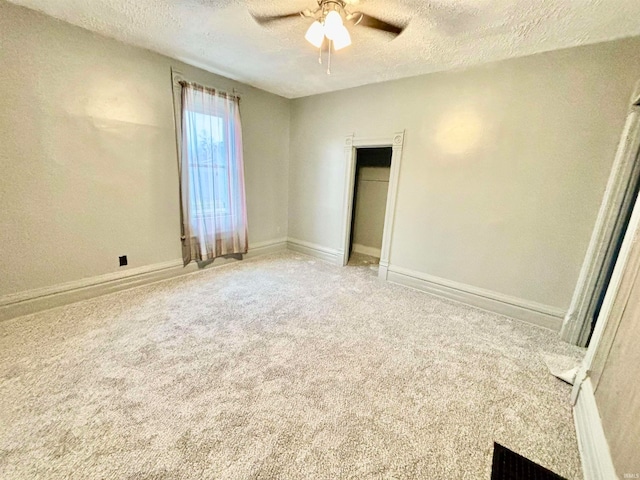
column 371, row 188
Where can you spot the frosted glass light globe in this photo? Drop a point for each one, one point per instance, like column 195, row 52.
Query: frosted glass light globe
column 332, row 24
column 315, row 34
column 342, row 39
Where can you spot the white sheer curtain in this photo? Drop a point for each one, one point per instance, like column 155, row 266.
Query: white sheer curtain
column 214, row 214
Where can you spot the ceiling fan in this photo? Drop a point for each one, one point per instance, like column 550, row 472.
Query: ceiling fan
column 328, row 27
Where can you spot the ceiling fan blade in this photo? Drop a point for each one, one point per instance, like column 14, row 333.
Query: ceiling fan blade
column 377, row 24
column 265, row 19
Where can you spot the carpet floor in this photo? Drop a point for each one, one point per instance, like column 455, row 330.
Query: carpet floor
column 280, row 367
column 361, row 260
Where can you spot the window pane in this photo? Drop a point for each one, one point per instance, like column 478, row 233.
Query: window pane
column 207, row 164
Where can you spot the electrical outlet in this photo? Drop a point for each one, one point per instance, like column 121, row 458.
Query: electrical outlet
column 123, row 260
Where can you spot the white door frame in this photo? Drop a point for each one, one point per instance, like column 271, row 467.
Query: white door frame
column 624, row 272
column 592, row 441
column 351, row 144
column 576, row 327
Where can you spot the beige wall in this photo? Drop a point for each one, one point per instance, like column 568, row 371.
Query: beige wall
column 503, row 170
column 88, row 154
column 371, row 202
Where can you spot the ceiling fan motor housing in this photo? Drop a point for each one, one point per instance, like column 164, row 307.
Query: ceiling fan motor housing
column 326, row 6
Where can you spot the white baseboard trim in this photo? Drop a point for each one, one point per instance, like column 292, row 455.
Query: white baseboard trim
column 372, row 251
column 383, row 270
column 327, row 254
column 531, row 312
column 266, row 248
column 31, row 301
column 592, row 443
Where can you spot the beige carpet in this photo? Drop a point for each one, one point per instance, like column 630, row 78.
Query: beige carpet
column 361, row 260
column 280, row 367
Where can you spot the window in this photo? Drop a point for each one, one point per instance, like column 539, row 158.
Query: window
column 207, row 165
column 214, row 219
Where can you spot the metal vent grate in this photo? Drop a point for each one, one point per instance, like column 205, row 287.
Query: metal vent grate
column 508, row 465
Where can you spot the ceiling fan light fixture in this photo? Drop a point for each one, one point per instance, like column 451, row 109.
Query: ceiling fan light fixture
column 342, row 39
column 333, row 24
column 329, row 22
column 315, row 34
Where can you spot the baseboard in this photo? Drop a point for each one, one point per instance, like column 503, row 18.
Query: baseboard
column 327, row 254
column 383, row 270
column 592, row 443
column 266, row 248
column 371, row 251
column 31, row 301
column 531, row 312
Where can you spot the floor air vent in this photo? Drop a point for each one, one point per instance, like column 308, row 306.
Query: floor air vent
column 508, row 465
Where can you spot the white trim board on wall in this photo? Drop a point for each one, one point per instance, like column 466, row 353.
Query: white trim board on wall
column 494, row 302
column 616, row 296
column 594, row 450
column 577, row 323
column 513, row 307
column 351, row 144
column 314, row 250
column 32, row 301
column 592, row 443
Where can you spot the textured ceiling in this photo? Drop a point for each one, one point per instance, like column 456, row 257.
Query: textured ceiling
column 221, row 36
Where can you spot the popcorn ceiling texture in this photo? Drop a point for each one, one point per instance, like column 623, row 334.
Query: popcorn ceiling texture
column 278, row 367
column 221, row 36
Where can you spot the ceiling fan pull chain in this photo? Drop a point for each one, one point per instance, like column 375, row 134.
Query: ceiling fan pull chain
column 329, row 59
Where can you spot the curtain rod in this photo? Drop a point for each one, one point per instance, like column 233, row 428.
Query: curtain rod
column 214, row 91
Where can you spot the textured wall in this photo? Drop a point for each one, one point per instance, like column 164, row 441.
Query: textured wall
column 371, row 203
column 88, row 154
column 503, row 170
